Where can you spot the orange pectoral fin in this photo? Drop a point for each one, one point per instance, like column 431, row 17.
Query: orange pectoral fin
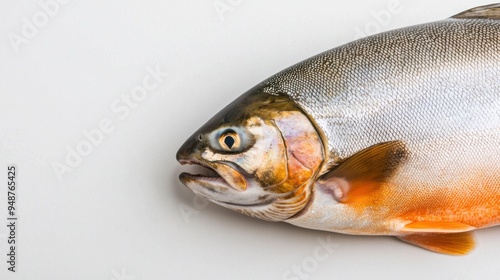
column 364, row 173
column 436, row 227
column 457, row 244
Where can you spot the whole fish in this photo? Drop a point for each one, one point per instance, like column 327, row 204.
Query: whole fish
column 394, row 134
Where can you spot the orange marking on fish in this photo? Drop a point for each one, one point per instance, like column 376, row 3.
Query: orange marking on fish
column 475, row 202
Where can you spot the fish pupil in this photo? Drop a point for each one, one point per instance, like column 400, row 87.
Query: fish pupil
column 229, row 141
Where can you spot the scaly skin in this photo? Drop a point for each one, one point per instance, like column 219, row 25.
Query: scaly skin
column 436, row 87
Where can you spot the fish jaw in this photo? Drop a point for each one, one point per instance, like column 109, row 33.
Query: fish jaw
column 215, row 186
column 212, row 181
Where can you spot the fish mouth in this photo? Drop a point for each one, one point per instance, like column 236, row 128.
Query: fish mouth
column 211, row 185
column 211, row 174
column 208, row 178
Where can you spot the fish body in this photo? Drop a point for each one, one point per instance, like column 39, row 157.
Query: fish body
column 394, row 134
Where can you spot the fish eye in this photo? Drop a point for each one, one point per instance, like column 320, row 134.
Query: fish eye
column 230, row 141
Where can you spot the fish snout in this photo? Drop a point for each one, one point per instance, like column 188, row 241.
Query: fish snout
column 186, row 151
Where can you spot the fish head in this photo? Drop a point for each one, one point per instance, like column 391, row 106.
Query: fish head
column 263, row 152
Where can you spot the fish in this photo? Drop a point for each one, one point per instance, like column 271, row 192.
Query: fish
column 395, row 134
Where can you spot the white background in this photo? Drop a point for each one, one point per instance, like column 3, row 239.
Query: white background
column 121, row 212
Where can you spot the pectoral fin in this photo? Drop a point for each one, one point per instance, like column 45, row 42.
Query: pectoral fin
column 364, row 173
column 457, row 244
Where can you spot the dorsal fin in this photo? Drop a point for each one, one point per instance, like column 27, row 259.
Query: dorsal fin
column 486, row 12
